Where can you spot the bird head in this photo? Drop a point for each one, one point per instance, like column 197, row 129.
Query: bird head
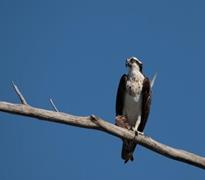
column 134, row 63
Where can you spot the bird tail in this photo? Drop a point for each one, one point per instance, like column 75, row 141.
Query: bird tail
column 128, row 148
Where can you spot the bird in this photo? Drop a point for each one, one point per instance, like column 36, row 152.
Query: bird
column 133, row 102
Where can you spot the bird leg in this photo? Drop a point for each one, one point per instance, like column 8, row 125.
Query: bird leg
column 135, row 128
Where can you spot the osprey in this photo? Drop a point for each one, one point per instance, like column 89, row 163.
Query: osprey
column 132, row 103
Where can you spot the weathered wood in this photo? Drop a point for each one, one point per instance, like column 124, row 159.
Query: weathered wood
column 93, row 122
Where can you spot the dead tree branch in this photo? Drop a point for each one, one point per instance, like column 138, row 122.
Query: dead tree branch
column 93, row 122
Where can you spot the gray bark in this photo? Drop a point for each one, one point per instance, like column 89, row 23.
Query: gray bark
column 93, row 122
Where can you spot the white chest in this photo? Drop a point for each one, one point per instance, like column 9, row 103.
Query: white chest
column 132, row 108
column 134, row 83
column 133, row 98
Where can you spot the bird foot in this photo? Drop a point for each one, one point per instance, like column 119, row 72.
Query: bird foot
column 139, row 133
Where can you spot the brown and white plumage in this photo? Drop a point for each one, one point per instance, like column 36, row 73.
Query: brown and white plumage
column 132, row 103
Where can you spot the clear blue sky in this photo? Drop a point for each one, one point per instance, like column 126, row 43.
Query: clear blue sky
column 74, row 52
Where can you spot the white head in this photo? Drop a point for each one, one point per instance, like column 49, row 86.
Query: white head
column 134, row 64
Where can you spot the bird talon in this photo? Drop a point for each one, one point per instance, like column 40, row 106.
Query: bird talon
column 140, row 133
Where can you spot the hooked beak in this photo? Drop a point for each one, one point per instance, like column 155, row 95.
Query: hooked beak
column 127, row 63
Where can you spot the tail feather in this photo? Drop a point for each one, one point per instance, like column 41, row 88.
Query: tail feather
column 128, row 148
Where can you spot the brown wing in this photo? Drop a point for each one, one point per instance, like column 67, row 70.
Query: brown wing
column 146, row 102
column 121, row 95
column 128, row 146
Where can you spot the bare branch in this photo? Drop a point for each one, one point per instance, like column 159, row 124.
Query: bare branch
column 54, row 107
column 22, row 99
column 93, row 122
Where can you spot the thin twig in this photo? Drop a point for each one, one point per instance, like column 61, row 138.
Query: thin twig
column 54, row 107
column 22, row 99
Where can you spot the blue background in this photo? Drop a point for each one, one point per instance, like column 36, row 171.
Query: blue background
column 74, row 52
